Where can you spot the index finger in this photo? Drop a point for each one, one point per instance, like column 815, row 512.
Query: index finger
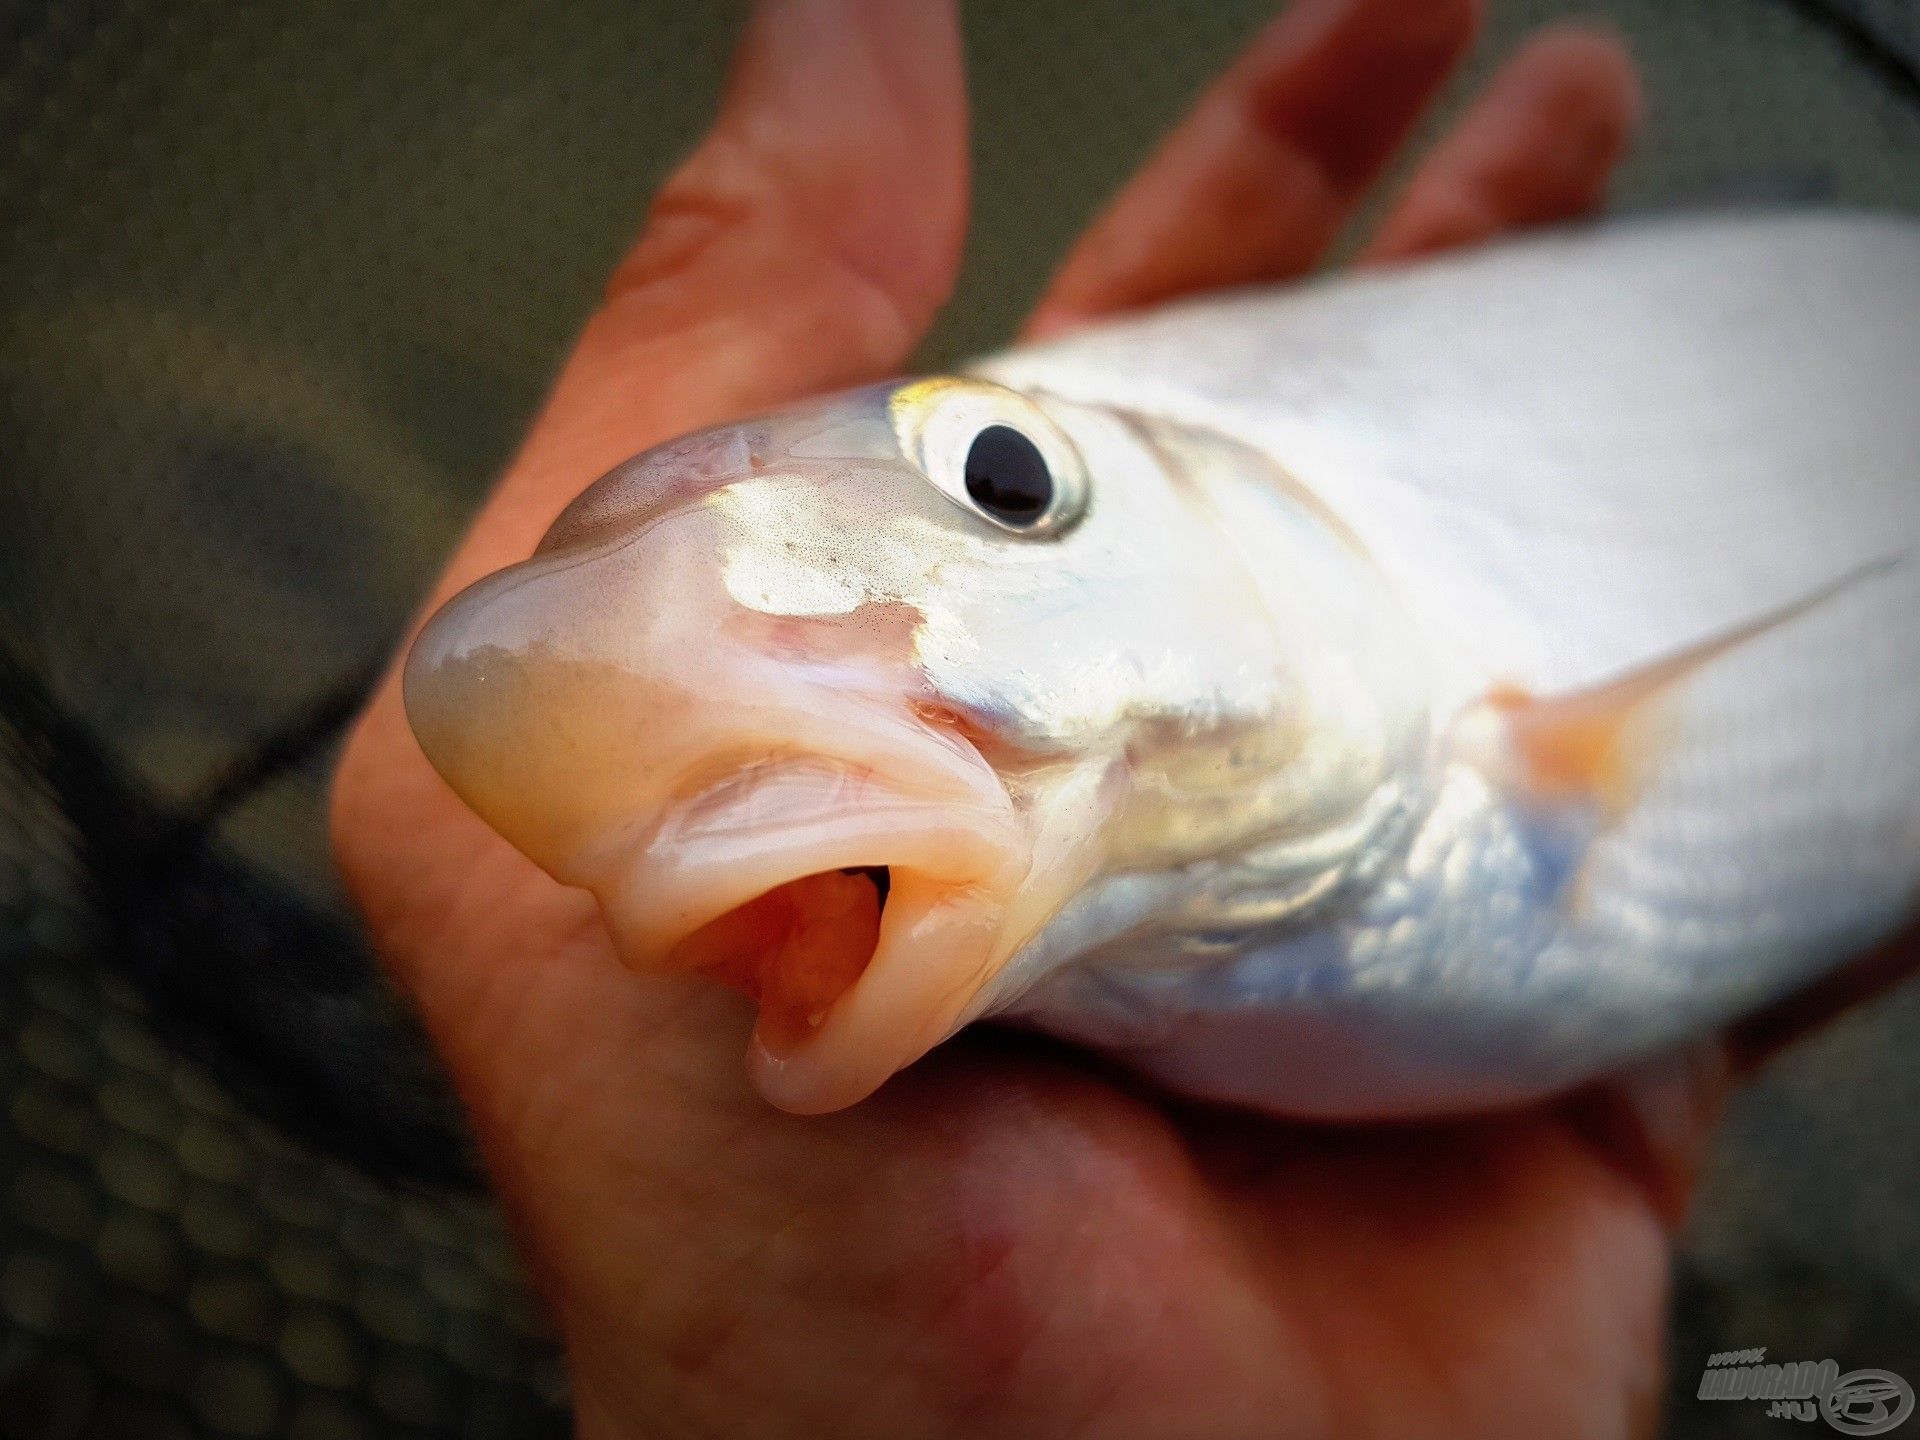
column 1257, row 181
column 805, row 245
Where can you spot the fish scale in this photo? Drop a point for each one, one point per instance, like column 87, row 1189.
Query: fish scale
column 1672, row 487
column 1406, row 693
column 1549, row 431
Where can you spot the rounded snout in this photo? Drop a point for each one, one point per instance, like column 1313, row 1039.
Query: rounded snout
column 571, row 696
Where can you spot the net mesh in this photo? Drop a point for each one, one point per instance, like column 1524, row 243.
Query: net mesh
column 282, row 285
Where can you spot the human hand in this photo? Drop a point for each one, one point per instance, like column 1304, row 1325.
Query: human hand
column 1008, row 1239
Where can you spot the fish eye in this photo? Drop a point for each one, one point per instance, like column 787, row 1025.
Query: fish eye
column 1007, row 476
column 992, row 451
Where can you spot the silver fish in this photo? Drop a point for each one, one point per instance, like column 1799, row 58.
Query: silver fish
column 1394, row 695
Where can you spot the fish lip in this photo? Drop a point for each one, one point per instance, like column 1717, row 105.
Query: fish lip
column 938, row 947
column 955, row 861
column 725, row 843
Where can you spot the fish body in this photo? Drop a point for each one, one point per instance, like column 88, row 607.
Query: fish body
column 1402, row 694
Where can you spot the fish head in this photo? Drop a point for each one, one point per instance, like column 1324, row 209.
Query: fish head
column 843, row 704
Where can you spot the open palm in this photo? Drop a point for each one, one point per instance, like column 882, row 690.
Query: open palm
column 1008, row 1239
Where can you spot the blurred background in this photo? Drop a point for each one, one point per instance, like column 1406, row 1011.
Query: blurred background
column 279, row 287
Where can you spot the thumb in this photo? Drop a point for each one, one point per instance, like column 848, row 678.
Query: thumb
column 806, row 244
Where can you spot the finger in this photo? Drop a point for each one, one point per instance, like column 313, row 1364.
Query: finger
column 1652, row 1122
column 1537, row 148
column 806, row 244
column 1257, row 181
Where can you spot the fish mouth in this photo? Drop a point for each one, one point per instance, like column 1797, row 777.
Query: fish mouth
column 863, row 915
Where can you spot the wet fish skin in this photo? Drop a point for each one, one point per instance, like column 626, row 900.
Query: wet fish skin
column 1440, row 687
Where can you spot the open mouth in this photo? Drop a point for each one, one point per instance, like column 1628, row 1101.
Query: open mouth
column 862, row 917
column 795, row 950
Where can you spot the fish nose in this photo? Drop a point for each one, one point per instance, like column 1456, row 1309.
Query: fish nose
column 657, row 482
column 823, row 437
column 568, row 699
column 549, row 694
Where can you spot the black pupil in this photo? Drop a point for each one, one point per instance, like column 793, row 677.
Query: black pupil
column 1007, row 476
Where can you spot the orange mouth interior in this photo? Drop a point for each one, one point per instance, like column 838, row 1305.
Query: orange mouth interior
column 795, row 949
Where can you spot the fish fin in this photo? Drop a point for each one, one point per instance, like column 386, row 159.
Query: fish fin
column 1596, row 746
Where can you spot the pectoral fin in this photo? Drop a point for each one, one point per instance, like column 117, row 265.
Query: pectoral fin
column 1596, row 747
